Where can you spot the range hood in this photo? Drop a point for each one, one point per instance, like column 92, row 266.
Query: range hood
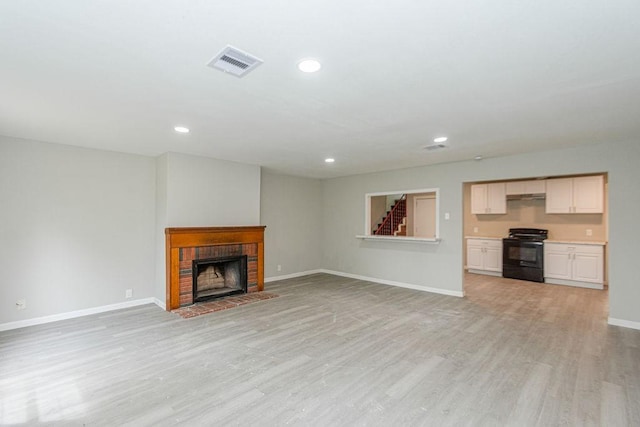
column 534, row 196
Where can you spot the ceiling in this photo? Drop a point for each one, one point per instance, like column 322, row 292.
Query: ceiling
column 496, row 77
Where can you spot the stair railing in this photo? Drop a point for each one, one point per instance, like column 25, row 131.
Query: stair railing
column 393, row 218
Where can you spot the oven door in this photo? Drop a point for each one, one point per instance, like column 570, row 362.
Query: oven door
column 523, row 259
column 522, row 253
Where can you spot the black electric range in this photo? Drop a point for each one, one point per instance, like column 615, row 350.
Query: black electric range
column 523, row 254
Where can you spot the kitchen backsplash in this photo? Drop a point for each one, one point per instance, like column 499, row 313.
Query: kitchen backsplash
column 531, row 213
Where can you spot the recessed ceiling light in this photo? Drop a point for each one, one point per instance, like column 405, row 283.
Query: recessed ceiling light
column 440, row 139
column 309, row 65
column 329, row 160
column 477, row 158
column 181, row 129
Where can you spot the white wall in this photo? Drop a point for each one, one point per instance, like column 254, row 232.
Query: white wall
column 162, row 221
column 208, row 192
column 441, row 266
column 76, row 227
column 291, row 208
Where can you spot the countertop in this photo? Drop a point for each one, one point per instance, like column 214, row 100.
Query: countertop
column 576, row 242
column 567, row 242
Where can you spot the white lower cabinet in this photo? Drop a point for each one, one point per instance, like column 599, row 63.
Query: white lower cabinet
column 574, row 264
column 484, row 256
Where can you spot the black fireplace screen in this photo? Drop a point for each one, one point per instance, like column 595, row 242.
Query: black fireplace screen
column 219, row 277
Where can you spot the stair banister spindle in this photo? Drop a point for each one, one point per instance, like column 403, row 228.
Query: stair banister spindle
column 394, row 217
column 392, row 220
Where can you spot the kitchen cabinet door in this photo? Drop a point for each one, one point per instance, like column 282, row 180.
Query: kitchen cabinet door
column 497, row 198
column 588, row 194
column 559, row 195
column 557, row 262
column 475, row 256
column 493, row 258
column 489, row 198
column 588, row 267
column 534, row 186
column 575, row 195
column 479, row 199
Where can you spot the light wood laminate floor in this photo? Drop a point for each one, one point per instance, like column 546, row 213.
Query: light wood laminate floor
column 333, row 351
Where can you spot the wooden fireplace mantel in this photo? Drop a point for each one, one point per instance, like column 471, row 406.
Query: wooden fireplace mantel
column 185, row 237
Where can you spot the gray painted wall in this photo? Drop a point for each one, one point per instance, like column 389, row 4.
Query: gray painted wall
column 441, row 266
column 66, row 212
column 425, row 265
column 76, row 226
column 291, row 208
column 205, row 192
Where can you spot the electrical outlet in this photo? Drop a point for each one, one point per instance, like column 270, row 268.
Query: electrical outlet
column 21, row 304
column 447, row 216
column 279, row 267
column 589, row 232
column 475, row 229
column 128, row 293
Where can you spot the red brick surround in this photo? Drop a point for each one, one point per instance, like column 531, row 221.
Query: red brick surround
column 187, row 255
column 183, row 245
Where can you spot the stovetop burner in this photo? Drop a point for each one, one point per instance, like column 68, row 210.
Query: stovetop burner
column 537, row 234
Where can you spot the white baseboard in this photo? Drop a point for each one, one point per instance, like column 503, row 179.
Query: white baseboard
column 293, row 275
column 394, row 283
column 624, row 323
column 159, row 303
column 77, row 313
column 574, row 283
column 485, row 272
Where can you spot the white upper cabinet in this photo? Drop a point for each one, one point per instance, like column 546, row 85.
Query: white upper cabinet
column 489, row 198
column 575, row 195
column 588, row 194
column 534, row 186
column 559, row 195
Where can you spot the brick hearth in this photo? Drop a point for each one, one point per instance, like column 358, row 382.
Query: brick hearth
column 222, row 304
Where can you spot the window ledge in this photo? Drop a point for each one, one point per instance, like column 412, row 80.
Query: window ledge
column 424, row 240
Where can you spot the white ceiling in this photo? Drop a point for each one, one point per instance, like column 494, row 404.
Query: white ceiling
column 497, row 77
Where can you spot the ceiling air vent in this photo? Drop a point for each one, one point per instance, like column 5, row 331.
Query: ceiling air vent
column 435, row 146
column 234, row 61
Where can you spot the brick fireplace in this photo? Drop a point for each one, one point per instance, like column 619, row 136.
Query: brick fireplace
column 188, row 244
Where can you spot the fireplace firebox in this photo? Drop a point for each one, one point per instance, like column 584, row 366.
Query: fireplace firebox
column 219, row 277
